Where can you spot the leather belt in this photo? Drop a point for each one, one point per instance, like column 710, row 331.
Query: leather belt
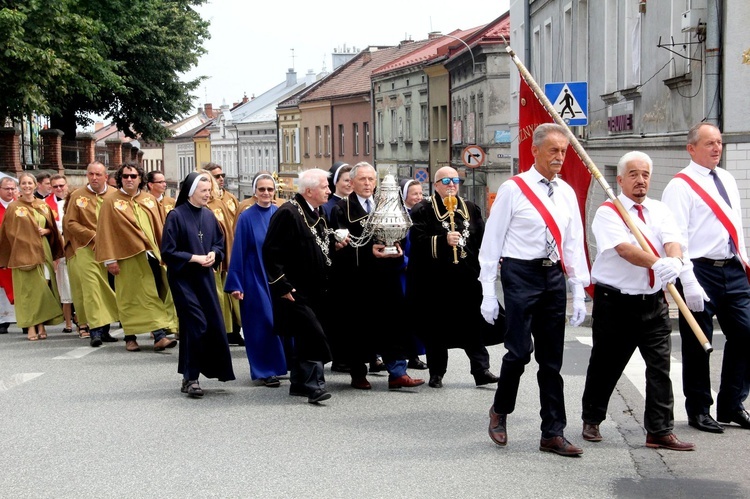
column 621, row 295
column 715, row 263
column 541, row 262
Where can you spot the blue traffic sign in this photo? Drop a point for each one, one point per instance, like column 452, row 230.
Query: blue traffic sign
column 570, row 100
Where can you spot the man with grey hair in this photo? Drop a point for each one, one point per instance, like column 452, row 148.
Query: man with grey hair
column 8, row 186
column 705, row 201
column 535, row 227
column 630, row 309
column 296, row 256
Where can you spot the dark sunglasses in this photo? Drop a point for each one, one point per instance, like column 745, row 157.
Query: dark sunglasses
column 265, row 189
column 220, row 175
column 448, row 180
column 130, row 175
column 58, row 186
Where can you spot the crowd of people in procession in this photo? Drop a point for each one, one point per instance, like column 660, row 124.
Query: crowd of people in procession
column 279, row 277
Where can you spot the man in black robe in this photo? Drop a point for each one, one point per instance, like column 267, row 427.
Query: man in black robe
column 373, row 277
column 192, row 248
column 442, row 280
column 296, row 257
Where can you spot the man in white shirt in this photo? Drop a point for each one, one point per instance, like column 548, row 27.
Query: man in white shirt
column 630, row 309
column 535, row 228
column 8, row 188
column 720, row 287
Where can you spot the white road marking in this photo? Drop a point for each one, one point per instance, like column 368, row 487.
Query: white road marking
column 17, row 379
column 76, row 353
column 636, row 373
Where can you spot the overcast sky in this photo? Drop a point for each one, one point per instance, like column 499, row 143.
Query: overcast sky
column 251, row 43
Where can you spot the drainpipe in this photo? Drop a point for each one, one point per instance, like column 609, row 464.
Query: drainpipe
column 713, row 63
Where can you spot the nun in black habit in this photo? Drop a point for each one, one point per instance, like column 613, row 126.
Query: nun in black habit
column 193, row 248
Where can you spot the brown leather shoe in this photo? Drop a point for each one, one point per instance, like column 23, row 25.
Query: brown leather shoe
column 670, row 442
column 591, row 432
column 559, row 445
column 164, row 343
column 361, row 384
column 404, row 381
column 497, row 430
column 132, row 346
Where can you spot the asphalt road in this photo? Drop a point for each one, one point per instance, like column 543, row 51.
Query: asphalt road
column 80, row 422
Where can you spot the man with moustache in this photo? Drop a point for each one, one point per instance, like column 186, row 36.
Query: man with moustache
column 535, row 228
column 630, row 308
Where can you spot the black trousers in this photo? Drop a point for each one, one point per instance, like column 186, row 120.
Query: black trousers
column 437, row 357
column 620, row 324
column 728, row 289
column 535, row 304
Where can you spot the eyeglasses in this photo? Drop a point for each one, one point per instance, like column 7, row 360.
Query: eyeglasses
column 58, row 186
column 130, row 175
column 159, row 182
column 220, row 175
column 448, row 180
column 9, row 188
column 265, row 189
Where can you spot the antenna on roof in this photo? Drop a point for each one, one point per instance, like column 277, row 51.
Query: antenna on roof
column 292, row 58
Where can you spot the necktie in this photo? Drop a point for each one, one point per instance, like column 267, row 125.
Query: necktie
column 550, row 245
column 723, row 193
column 367, row 205
column 639, row 209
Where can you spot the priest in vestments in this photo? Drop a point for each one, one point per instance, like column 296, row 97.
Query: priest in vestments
column 128, row 238
column 193, row 249
column 247, row 282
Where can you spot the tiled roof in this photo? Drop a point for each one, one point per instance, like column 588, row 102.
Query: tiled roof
column 426, row 53
column 489, row 34
column 354, row 77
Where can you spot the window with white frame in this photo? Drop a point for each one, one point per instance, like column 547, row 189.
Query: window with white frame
column 424, row 119
column 407, row 123
column 355, row 139
column 341, row 139
column 366, row 131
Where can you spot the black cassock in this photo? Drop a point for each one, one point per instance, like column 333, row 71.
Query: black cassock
column 448, row 294
column 294, row 259
column 190, row 231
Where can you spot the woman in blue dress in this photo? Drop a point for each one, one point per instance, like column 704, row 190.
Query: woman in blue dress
column 247, row 281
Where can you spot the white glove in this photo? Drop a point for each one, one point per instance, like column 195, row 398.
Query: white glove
column 579, row 305
column 490, row 308
column 668, row 269
column 694, row 294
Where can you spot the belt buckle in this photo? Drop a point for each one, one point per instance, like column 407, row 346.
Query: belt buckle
column 719, row 263
column 547, row 262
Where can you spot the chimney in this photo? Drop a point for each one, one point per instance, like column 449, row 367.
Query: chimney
column 366, row 57
column 209, row 110
column 291, row 77
column 244, row 98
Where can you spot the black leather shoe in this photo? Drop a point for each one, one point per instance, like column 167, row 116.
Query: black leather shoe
column 704, row 422
column 271, row 382
column 318, row 395
column 436, row 381
column 740, row 416
column 340, row 367
column 108, row 338
column 416, row 363
column 95, row 341
column 377, row 366
column 4, row 328
column 485, row 378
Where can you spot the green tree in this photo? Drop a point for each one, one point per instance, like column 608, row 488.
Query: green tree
column 121, row 59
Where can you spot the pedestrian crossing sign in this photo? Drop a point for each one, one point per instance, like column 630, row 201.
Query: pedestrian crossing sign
column 570, row 100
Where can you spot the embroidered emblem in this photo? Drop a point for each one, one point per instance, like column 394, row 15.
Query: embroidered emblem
column 168, row 207
column 230, row 204
column 121, row 205
column 148, row 203
column 43, row 208
column 82, row 202
column 22, row 211
column 219, row 214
